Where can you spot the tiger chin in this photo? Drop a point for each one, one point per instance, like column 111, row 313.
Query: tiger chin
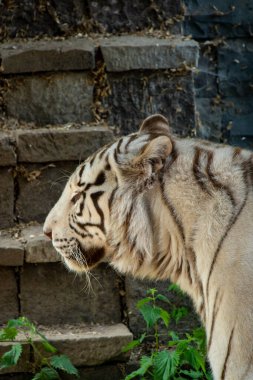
column 160, row 207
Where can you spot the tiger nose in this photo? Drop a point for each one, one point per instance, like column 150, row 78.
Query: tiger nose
column 48, row 234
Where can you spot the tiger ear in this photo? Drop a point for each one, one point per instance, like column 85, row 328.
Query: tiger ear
column 154, row 154
column 157, row 124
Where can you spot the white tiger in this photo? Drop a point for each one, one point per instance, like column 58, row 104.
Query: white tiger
column 156, row 206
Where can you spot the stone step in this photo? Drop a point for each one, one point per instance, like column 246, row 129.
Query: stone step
column 62, row 143
column 120, row 53
column 84, row 345
column 26, row 244
column 133, row 76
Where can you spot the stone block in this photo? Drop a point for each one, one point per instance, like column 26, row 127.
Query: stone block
column 206, row 20
column 136, row 290
column 40, row 186
column 208, row 120
column 38, row 248
column 136, row 96
column 11, row 251
column 54, row 144
column 6, row 198
column 206, row 75
column 7, row 151
column 49, row 55
column 235, row 65
column 52, row 295
column 91, row 345
column 8, row 295
column 139, row 53
column 50, row 99
column 237, row 119
column 120, row 16
column 105, row 372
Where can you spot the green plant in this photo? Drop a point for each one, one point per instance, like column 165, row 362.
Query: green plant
column 179, row 359
column 46, row 364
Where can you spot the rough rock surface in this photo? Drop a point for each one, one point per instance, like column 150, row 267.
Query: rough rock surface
column 52, row 295
column 7, row 151
column 39, row 56
column 11, row 252
column 50, row 99
column 134, row 97
column 40, row 186
column 146, row 53
column 50, row 145
column 8, row 295
column 6, row 197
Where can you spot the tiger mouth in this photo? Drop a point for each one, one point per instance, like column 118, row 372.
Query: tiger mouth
column 86, row 258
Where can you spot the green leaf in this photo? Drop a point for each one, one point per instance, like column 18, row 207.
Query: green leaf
column 63, row 362
column 134, row 343
column 46, row 373
column 48, row 347
column 145, row 363
column 165, row 364
column 15, row 322
column 8, row 333
column 175, row 288
column 151, row 314
column 163, row 298
column 10, row 358
column 131, row 345
column 143, row 301
column 178, row 313
column 165, row 317
column 192, row 374
column 173, row 335
column 152, row 291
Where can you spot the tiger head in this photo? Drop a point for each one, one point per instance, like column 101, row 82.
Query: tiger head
column 93, row 220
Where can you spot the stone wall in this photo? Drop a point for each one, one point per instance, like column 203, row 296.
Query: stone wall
column 224, row 80
column 74, row 76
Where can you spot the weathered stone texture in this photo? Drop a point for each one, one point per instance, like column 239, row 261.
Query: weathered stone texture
column 240, row 112
column 38, row 248
column 210, row 19
column 69, row 16
column 7, row 151
column 49, row 99
column 105, row 372
column 206, row 76
column 235, row 64
column 237, row 121
column 139, row 53
column 47, row 145
column 52, row 295
column 35, row 56
column 134, row 97
column 208, row 120
column 11, row 251
column 37, row 196
column 119, row 15
column 8, row 295
column 136, row 290
column 6, row 198
column 91, row 345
